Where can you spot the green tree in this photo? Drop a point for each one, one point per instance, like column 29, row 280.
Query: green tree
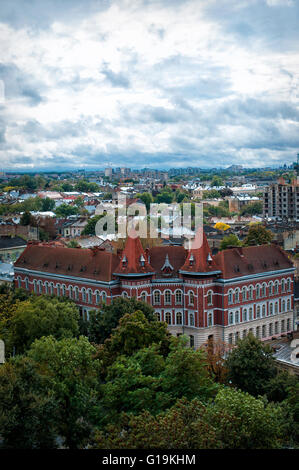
column 64, row 210
column 146, row 198
column 27, row 219
column 251, row 365
column 47, row 204
column 229, row 241
column 258, row 235
column 28, row 409
column 41, row 316
column 180, row 427
column 103, row 321
column 217, row 181
column 72, row 372
column 72, row 244
column 234, row 420
column 186, row 374
column 254, row 208
column 245, row 422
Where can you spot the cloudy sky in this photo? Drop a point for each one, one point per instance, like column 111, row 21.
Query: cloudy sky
column 155, row 83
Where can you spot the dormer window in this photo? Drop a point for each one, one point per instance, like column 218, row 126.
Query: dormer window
column 191, row 259
column 209, row 259
column 124, row 261
column 167, row 267
column 142, row 260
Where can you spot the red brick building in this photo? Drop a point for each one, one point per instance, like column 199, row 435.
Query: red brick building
column 203, row 296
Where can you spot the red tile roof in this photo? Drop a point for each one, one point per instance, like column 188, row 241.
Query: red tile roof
column 133, row 258
column 245, row 261
column 176, row 256
column 199, row 259
column 86, row 263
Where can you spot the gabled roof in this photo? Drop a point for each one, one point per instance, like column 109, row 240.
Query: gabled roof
column 133, row 259
column 176, row 257
column 79, row 262
column 245, row 261
column 199, row 259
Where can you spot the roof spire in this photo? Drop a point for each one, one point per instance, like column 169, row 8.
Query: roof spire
column 134, row 257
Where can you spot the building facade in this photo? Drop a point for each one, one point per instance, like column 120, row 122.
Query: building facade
column 281, row 200
column 226, row 296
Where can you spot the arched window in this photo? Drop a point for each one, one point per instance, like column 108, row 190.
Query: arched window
column 288, row 304
column 231, row 318
column 191, row 319
column 104, row 297
column 250, row 293
column 258, row 311
column 179, row 318
column 210, row 298
column 271, row 288
column 51, row 288
column 158, row 316
column 289, row 284
column 264, row 290
column 276, row 287
column 230, row 338
column 83, row 294
column 89, row 296
column 210, row 319
column 168, row 318
column 244, row 333
column 76, row 291
column 191, row 297
column 26, row 283
column 143, row 296
column 125, row 294
column 35, row 286
column 257, row 332
column 283, row 306
column 98, row 297
column 58, row 288
column 270, row 329
column 264, row 331
column 244, row 312
column 70, row 292
column 230, row 296
column 250, row 313
column 244, row 293
column 258, row 291
column 167, row 297
column 283, row 285
column 237, row 317
column 157, row 297
column 63, row 290
column 263, row 310
column 19, row 282
column 237, row 295
column 276, row 307
column 46, row 288
column 271, row 309
column 178, row 297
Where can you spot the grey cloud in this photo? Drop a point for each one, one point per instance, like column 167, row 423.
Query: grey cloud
column 116, row 79
column 19, row 84
column 256, row 24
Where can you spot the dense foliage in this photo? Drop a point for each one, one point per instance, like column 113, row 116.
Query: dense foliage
column 128, row 383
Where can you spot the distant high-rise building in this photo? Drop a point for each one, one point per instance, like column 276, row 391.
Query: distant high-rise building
column 108, row 172
column 281, row 200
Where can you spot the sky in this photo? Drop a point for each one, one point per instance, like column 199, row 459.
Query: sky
column 148, row 83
